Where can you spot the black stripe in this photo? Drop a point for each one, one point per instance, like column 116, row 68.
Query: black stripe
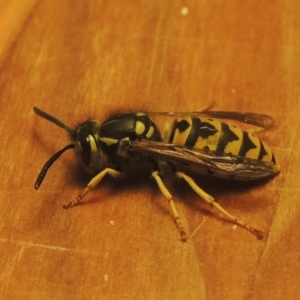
column 247, row 144
column 226, row 137
column 199, row 129
column 181, row 126
column 262, row 152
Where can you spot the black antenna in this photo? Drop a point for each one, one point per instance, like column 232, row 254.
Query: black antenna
column 53, row 120
column 49, row 163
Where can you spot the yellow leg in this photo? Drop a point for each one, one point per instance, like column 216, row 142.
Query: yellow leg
column 256, row 130
column 167, row 194
column 94, row 182
column 209, row 199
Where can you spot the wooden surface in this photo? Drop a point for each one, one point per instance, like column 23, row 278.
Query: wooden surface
column 76, row 58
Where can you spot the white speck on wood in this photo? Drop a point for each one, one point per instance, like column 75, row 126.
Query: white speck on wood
column 184, row 11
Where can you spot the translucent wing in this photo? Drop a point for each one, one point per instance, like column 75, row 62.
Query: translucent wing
column 230, row 166
column 256, row 119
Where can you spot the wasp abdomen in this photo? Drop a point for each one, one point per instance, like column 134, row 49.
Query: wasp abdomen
column 211, row 135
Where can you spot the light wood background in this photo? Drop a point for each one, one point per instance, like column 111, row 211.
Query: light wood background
column 79, row 58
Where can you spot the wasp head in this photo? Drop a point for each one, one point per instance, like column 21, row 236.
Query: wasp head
column 84, row 139
column 87, row 147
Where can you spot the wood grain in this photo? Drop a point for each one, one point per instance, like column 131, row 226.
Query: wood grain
column 13, row 14
column 75, row 59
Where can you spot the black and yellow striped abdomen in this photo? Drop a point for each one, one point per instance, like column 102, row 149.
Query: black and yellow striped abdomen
column 211, row 135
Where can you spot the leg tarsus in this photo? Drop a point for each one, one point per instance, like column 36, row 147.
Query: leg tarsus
column 93, row 183
column 167, row 194
column 209, row 199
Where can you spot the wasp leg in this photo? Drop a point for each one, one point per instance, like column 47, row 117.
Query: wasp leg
column 206, row 107
column 256, row 130
column 94, row 182
column 209, row 199
column 167, row 194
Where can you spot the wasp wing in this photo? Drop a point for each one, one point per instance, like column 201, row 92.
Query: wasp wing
column 223, row 165
column 256, row 119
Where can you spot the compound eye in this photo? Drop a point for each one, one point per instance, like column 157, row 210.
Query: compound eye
column 86, row 150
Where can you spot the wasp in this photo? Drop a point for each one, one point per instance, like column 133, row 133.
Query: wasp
column 131, row 143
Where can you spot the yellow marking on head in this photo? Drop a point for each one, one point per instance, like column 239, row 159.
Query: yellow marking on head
column 109, row 141
column 94, row 158
column 139, row 127
column 140, row 114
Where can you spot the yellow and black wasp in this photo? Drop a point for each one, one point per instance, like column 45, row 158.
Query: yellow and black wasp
column 128, row 143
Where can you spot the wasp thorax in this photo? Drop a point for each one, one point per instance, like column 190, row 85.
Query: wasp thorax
column 87, row 147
